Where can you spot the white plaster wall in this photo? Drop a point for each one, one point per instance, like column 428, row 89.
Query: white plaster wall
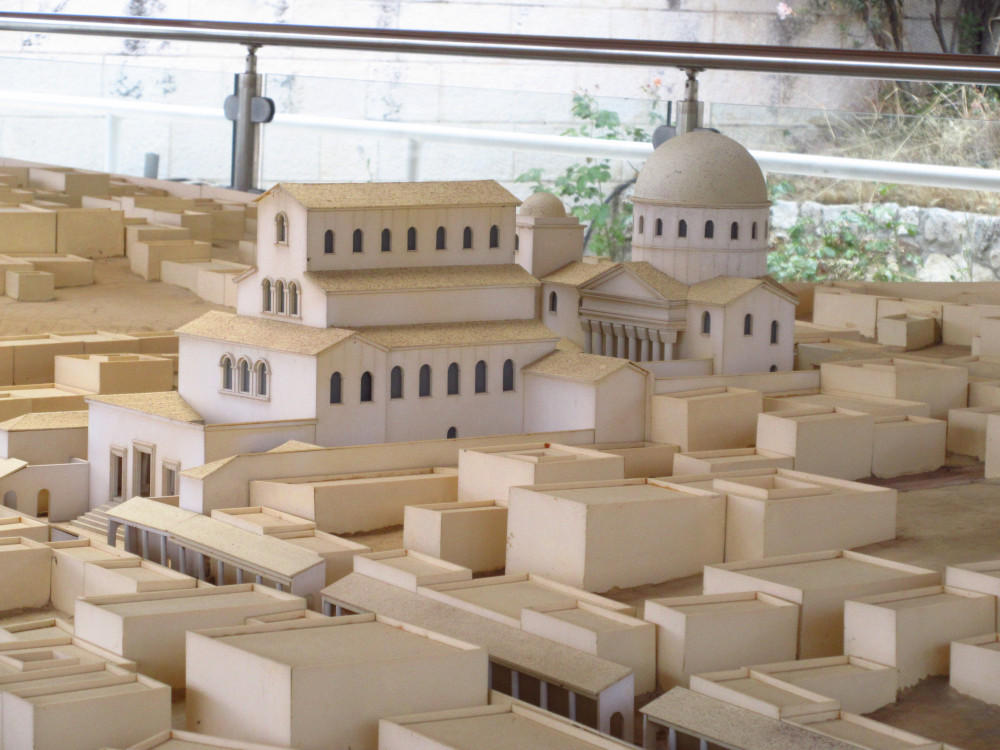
column 621, row 407
column 553, row 404
column 693, row 344
column 565, row 320
column 44, row 446
column 430, row 306
column 66, row 483
column 756, row 353
column 351, row 422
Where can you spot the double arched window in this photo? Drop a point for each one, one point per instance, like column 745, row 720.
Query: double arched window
column 243, row 371
column 293, row 298
column 279, row 297
column 261, row 372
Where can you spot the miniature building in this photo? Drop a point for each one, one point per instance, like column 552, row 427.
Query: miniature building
column 365, row 666
column 833, row 442
column 707, row 419
column 25, row 570
column 820, row 583
column 616, row 533
column 471, row 534
column 731, row 459
column 908, row 445
column 762, row 694
column 863, row 732
column 975, row 667
column 179, row 740
column 69, row 572
column 981, row 577
column 859, row 685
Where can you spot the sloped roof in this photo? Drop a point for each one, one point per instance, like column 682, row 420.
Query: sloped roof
column 579, row 272
column 421, row 277
column 372, row 195
column 723, row 290
column 588, row 368
column 46, row 420
column 264, row 332
column 459, row 334
column 666, row 286
column 166, row 404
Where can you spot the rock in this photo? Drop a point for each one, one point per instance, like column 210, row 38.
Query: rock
column 943, row 231
column 939, row 267
column 784, row 214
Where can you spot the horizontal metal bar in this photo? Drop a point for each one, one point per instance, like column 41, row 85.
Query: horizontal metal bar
column 836, row 167
column 758, row 58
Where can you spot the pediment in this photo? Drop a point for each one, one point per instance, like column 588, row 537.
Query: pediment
column 620, row 282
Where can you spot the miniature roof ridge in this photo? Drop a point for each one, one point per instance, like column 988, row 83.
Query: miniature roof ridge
column 586, row 368
column 459, row 334
column 331, row 196
column 579, row 272
column 45, row 420
column 421, row 277
column 264, row 333
column 166, row 404
column 722, row 290
column 664, row 284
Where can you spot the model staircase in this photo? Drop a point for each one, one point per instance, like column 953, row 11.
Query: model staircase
column 94, row 523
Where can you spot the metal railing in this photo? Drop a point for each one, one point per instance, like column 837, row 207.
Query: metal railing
column 690, row 56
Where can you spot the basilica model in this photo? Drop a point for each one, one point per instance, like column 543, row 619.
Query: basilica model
column 391, row 312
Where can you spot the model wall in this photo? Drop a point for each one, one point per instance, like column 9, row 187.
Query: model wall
column 430, row 306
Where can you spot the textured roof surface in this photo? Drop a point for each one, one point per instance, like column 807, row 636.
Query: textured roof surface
column 264, row 332
column 200, row 472
column 725, row 289
column 459, row 334
column 578, row 272
column 589, row 368
column 525, row 651
column 334, row 195
column 421, row 277
column 167, row 404
column 667, row 286
column 701, row 168
column 46, row 420
column 543, row 204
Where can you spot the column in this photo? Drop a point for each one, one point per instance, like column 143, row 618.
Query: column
column 671, row 739
column 327, row 608
column 199, row 566
column 144, row 543
column 632, row 343
column 572, row 706
column 163, row 549
column 608, row 343
column 239, row 575
column 112, row 532
column 181, row 559
column 587, row 339
column 647, row 345
column 543, row 694
column 515, row 684
column 259, row 579
column 648, row 734
column 338, row 611
column 220, row 573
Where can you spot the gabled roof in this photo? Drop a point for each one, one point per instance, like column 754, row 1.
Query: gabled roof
column 459, row 334
column 265, row 333
column 421, row 277
column 46, row 420
column 587, row 368
column 660, row 284
column 723, row 290
column 579, row 272
column 330, row 196
column 166, row 404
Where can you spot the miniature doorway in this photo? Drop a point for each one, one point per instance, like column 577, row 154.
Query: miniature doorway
column 42, row 508
column 10, row 499
column 618, row 725
column 143, row 473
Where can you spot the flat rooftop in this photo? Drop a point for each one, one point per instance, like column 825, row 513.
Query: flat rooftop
column 189, row 601
column 828, row 573
column 510, row 597
column 619, row 493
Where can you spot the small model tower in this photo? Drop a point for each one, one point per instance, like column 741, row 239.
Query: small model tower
column 547, row 239
column 701, row 209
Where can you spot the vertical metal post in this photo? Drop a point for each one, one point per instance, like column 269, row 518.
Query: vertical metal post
column 245, row 140
column 111, row 144
column 690, row 109
column 412, row 159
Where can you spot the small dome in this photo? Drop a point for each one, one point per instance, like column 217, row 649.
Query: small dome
column 543, row 205
column 701, row 168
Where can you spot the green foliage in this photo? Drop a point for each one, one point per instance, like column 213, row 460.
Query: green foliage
column 859, row 245
column 588, row 188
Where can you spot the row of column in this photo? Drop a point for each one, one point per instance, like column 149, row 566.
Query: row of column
column 624, row 341
column 649, row 737
column 543, row 692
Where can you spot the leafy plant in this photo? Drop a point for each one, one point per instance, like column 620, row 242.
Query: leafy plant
column 589, row 188
column 859, row 245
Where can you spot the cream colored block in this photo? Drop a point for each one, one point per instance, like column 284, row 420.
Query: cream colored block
column 696, row 634
column 643, row 459
column 729, row 459
column 70, row 181
column 907, row 332
column 262, row 520
column 470, row 534
column 32, row 357
column 337, row 552
column 789, row 512
column 992, row 446
column 942, row 387
column 196, row 222
column 967, row 430
column 90, row 232
column 114, row 373
column 833, row 442
column 859, row 685
column 912, row 630
column 27, row 230
column 149, row 627
column 762, row 694
column 156, row 342
column 877, row 407
column 66, row 270
column 408, row 569
column 24, row 527
column 70, row 561
column 981, row 577
column 975, row 667
column 908, row 445
column 989, row 337
column 820, row 582
column 982, row 393
column 177, row 739
column 620, row 533
column 25, row 567
column 843, row 309
column 489, row 473
column 145, row 257
column 131, row 576
column 862, row 732
column 30, row 286
column 142, row 231
column 12, row 263
column 707, row 419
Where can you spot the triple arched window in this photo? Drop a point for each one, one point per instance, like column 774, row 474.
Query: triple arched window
column 281, row 298
column 242, row 377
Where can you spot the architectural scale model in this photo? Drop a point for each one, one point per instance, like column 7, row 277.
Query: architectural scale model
column 433, row 478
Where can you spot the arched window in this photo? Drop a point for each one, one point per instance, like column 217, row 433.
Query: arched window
column 452, row 433
column 425, row 380
column 386, row 241
column 734, row 231
column 682, row 228
column 293, row 298
column 411, row 239
column 706, row 322
column 280, row 228
column 753, row 231
column 279, row 296
column 773, row 368
column 494, row 236
column 336, row 390
column 262, row 379
column 328, row 242
column 453, row 379
column 480, row 376
column 659, row 227
column 227, row 373
column 748, row 325
column 553, row 302
column 366, row 387
column 508, row 375
column 265, row 289
column 396, row 382
column 709, row 229
column 439, row 239
column 467, row 238
column 774, row 332
column 359, row 241
column 244, row 370
column 642, row 224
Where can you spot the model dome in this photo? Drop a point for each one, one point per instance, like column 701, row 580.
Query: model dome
column 543, row 205
column 701, row 168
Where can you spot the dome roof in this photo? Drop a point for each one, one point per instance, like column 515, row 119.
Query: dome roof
column 701, row 168
column 543, row 205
